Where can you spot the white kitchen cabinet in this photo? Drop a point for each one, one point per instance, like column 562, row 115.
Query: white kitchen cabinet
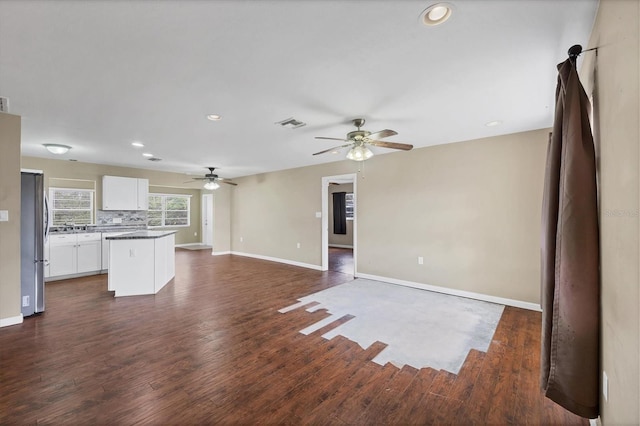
column 71, row 254
column 123, row 193
column 89, row 253
column 47, row 269
column 105, row 247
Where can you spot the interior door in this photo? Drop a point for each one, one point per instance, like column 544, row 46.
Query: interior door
column 207, row 219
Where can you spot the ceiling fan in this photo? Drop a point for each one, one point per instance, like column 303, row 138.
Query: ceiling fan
column 211, row 180
column 359, row 139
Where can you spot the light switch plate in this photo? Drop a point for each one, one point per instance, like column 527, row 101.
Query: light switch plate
column 4, row 215
column 318, row 215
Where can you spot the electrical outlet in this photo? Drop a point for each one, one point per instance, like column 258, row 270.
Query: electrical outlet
column 25, row 301
column 195, row 234
column 241, row 239
column 298, row 245
column 420, row 260
column 605, row 385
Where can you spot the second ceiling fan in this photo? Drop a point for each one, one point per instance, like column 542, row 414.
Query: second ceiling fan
column 359, row 139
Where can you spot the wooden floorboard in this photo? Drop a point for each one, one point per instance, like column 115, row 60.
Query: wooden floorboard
column 212, row 348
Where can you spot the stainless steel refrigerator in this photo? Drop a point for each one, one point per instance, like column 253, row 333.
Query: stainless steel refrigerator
column 34, row 224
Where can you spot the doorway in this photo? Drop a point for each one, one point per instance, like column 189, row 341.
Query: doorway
column 207, row 220
column 339, row 251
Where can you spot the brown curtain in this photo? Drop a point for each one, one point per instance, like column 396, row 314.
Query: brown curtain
column 570, row 255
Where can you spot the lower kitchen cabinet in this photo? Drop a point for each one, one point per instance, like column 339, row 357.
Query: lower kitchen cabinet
column 71, row 254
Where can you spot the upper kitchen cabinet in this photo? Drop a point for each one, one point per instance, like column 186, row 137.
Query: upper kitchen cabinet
column 123, row 193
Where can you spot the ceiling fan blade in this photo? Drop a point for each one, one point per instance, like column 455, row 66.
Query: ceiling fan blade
column 190, row 181
column 229, row 183
column 392, row 145
column 199, row 178
column 332, row 149
column 382, row 134
column 331, row 139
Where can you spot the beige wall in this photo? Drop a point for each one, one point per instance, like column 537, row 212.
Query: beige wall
column 614, row 80
column 471, row 209
column 163, row 182
column 10, row 231
column 340, row 239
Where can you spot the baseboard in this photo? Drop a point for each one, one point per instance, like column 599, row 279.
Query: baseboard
column 219, row 253
column 275, row 259
column 595, row 422
column 6, row 322
column 468, row 294
column 188, row 244
column 340, row 246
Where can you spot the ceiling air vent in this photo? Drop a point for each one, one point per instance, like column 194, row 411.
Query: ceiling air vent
column 291, row 123
column 154, row 159
column 4, row 104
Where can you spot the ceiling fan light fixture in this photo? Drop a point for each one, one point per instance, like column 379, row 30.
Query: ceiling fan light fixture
column 211, row 185
column 214, row 117
column 57, row 149
column 436, row 14
column 359, row 153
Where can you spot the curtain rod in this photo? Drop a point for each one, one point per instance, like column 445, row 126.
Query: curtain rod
column 576, row 50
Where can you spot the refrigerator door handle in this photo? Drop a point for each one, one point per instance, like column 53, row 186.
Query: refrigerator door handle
column 46, row 217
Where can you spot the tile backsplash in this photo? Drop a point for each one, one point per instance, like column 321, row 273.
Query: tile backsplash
column 127, row 217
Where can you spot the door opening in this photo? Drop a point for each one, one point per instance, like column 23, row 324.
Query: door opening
column 339, row 251
column 207, row 220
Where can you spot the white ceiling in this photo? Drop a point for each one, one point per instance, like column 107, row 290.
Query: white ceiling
column 98, row 75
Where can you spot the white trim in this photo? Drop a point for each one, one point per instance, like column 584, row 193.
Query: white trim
column 34, row 171
column 462, row 293
column 185, row 244
column 6, row 322
column 595, row 422
column 340, row 246
column 220, row 253
column 276, row 259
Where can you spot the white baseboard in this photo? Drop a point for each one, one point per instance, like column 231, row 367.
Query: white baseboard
column 340, row 246
column 188, row 244
column 5, row 322
column 595, row 422
column 219, row 253
column 275, row 259
column 454, row 292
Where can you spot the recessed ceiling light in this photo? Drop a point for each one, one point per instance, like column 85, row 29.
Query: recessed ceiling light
column 213, row 117
column 137, row 144
column 55, row 148
column 436, row 14
column 146, row 154
column 493, row 123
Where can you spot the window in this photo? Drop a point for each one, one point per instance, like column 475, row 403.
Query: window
column 348, row 200
column 71, row 206
column 169, row 210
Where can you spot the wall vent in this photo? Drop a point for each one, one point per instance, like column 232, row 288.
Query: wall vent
column 154, row 159
column 4, row 104
column 291, row 123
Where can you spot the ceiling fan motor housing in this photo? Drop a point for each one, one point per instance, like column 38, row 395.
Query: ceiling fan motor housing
column 358, row 135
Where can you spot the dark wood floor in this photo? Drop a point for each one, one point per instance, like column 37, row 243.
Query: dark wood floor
column 211, row 348
column 341, row 260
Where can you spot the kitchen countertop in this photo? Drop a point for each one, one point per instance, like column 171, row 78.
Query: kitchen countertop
column 94, row 229
column 142, row 235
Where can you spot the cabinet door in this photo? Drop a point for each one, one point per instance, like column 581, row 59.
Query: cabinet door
column 62, row 259
column 119, row 193
column 143, row 194
column 105, row 254
column 89, row 256
column 47, row 263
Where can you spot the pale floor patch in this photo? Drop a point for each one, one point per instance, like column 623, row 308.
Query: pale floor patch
column 421, row 328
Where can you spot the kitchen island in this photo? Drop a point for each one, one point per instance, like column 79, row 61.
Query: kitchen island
column 141, row 262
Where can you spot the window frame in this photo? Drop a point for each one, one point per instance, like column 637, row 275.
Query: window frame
column 349, row 199
column 164, row 210
column 91, row 209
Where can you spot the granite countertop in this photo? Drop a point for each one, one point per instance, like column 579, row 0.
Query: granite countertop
column 142, row 235
column 90, row 229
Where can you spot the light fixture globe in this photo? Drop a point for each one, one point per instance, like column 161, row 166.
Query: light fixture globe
column 57, row 149
column 212, row 185
column 359, row 153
